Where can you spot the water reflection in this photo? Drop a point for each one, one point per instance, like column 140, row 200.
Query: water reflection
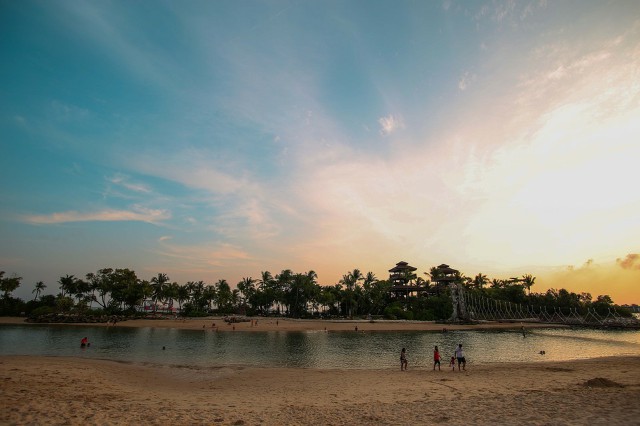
column 362, row 350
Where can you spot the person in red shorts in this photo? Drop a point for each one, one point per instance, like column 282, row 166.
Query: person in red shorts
column 436, row 359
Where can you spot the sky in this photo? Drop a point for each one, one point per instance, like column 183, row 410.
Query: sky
column 217, row 139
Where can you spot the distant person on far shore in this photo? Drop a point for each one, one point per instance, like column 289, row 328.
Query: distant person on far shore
column 460, row 356
column 403, row 360
column 436, row 359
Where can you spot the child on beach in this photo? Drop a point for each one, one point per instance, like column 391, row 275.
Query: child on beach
column 403, row 360
column 436, row 359
column 459, row 353
column 452, row 364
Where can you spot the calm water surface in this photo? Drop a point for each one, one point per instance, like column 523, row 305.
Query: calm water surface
column 364, row 350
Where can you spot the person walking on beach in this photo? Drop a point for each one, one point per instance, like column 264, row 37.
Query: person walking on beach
column 459, row 354
column 452, row 364
column 403, row 360
column 436, row 359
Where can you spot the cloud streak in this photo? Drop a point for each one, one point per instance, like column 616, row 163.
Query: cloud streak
column 139, row 214
column 631, row 261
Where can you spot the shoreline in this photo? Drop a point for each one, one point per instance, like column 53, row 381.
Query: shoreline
column 257, row 324
column 61, row 390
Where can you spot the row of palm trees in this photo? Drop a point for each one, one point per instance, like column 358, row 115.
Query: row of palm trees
column 294, row 294
column 287, row 293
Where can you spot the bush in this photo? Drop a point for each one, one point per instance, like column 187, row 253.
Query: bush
column 42, row 310
column 10, row 306
column 396, row 311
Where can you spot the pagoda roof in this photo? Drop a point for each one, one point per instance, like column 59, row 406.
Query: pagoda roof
column 445, row 269
column 401, row 267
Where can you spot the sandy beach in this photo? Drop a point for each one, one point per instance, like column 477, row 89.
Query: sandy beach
column 288, row 324
column 65, row 390
column 49, row 390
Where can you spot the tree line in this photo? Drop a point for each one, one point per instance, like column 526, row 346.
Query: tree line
column 288, row 293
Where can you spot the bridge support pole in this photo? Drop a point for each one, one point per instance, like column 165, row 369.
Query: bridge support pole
column 459, row 306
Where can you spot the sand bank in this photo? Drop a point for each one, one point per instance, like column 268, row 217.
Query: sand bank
column 44, row 390
column 287, row 324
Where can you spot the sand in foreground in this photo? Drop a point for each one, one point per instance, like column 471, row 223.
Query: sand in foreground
column 48, row 390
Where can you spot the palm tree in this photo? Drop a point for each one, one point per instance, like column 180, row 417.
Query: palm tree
column 480, row 280
column 435, row 273
column 158, row 283
column 496, row 283
column 40, row 286
column 171, row 293
column 67, row 285
column 266, row 291
column 282, row 284
column 247, row 288
column 350, row 281
column 528, row 280
column 82, row 289
column 224, row 294
column 182, row 295
column 210, row 295
column 369, row 279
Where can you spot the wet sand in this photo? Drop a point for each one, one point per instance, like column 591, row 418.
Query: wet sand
column 287, row 324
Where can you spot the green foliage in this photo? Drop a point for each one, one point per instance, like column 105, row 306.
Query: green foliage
column 10, row 306
column 42, row 310
column 191, row 310
column 64, row 303
column 397, row 311
column 9, row 284
column 299, row 295
column 434, row 308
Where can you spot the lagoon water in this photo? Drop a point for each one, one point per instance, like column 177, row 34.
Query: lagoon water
column 351, row 350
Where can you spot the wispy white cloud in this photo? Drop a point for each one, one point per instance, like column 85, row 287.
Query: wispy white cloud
column 138, row 214
column 504, row 9
column 466, row 79
column 509, row 12
column 522, row 180
column 548, row 186
column 125, row 182
column 390, row 124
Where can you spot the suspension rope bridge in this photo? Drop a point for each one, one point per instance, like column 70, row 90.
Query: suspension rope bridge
column 473, row 307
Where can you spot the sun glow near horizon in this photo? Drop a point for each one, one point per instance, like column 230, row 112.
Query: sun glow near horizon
column 487, row 136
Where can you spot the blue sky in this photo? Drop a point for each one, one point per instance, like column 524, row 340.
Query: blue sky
column 211, row 140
